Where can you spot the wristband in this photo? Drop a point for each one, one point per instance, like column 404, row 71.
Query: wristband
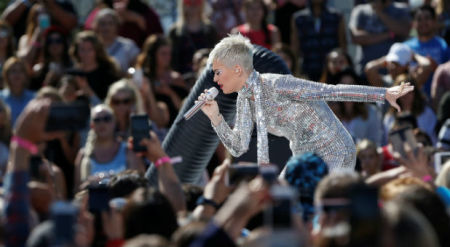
column 162, row 160
column 25, row 144
column 427, row 178
column 203, row 201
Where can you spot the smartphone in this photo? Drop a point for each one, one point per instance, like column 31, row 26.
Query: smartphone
column 98, row 198
column 44, row 21
column 138, row 76
column 242, row 172
column 279, row 215
column 71, row 117
column 64, row 217
column 439, row 160
column 399, row 137
column 140, row 129
column 269, row 174
column 35, row 164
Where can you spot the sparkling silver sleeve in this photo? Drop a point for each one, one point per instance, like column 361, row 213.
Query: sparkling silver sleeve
column 290, row 87
column 237, row 140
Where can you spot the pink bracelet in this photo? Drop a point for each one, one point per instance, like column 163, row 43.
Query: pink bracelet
column 162, row 160
column 25, row 144
column 427, row 178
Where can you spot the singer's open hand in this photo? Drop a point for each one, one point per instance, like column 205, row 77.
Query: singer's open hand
column 210, row 108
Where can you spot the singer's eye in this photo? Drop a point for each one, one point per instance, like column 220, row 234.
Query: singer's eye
column 218, row 72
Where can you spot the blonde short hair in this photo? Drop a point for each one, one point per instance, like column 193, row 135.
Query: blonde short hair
column 233, row 50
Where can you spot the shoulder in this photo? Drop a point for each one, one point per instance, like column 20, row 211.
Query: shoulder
column 361, row 8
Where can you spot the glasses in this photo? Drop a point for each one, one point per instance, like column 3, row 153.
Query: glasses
column 104, row 119
column 125, row 101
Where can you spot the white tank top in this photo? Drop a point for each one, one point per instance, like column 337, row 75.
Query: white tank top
column 116, row 165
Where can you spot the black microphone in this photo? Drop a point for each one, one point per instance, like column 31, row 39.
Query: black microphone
column 210, row 94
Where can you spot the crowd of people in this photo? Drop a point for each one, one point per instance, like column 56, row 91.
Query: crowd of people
column 85, row 186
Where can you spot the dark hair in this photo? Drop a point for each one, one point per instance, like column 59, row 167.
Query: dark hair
column 431, row 206
column 326, row 76
column 428, row 8
column 147, row 59
column 58, row 30
column 246, row 4
column 149, row 212
column 191, row 192
column 125, row 182
column 336, row 185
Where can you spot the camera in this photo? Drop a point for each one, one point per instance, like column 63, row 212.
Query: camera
column 70, row 117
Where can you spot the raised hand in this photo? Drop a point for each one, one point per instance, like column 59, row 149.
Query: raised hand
column 393, row 93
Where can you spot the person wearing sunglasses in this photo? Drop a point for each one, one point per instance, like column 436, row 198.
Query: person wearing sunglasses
column 55, row 59
column 125, row 99
column 103, row 151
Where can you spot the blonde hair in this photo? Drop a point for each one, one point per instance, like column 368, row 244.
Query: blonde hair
column 126, row 85
column 234, row 50
column 395, row 187
column 85, row 164
column 443, row 178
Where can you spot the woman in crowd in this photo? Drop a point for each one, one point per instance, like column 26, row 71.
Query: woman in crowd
column 256, row 27
column 414, row 103
column 54, row 61
column 167, row 84
column 362, row 120
column 7, row 47
column 191, row 32
column 103, row 151
column 288, row 56
column 15, row 95
column 93, row 63
column 123, row 50
column 336, row 61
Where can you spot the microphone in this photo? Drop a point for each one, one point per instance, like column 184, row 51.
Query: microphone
column 210, row 94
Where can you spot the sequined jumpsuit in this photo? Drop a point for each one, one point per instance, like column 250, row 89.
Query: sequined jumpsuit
column 296, row 109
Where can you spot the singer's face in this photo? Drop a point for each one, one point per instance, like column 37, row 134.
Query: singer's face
column 225, row 77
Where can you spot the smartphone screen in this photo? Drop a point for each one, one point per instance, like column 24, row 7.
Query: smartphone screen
column 399, row 137
column 140, row 128
column 98, row 198
column 35, row 164
column 64, row 217
column 44, row 21
column 279, row 215
column 238, row 173
column 439, row 160
column 71, row 117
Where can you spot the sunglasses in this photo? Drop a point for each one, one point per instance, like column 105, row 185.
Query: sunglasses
column 125, row 101
column 104, row 119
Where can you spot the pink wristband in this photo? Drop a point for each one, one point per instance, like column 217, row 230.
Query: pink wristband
column 24, row 143
column 161, row 161
column 427, row 178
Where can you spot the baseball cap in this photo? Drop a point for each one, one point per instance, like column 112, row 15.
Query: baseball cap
column 399, row 53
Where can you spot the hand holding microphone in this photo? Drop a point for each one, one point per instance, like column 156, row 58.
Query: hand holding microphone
column 207, row 104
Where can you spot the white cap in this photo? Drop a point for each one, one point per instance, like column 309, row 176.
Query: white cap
column 399, row 53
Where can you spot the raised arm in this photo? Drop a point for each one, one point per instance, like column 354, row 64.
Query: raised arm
column 236, row 140
column 292, row 88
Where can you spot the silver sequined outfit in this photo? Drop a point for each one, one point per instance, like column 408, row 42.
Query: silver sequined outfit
column 296, row 109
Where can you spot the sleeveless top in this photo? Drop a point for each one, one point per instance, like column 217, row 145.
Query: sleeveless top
column 116, row 165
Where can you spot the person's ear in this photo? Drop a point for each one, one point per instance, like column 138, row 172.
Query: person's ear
column 237, row 69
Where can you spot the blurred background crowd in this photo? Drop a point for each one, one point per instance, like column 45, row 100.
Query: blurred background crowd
column 86, row 186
